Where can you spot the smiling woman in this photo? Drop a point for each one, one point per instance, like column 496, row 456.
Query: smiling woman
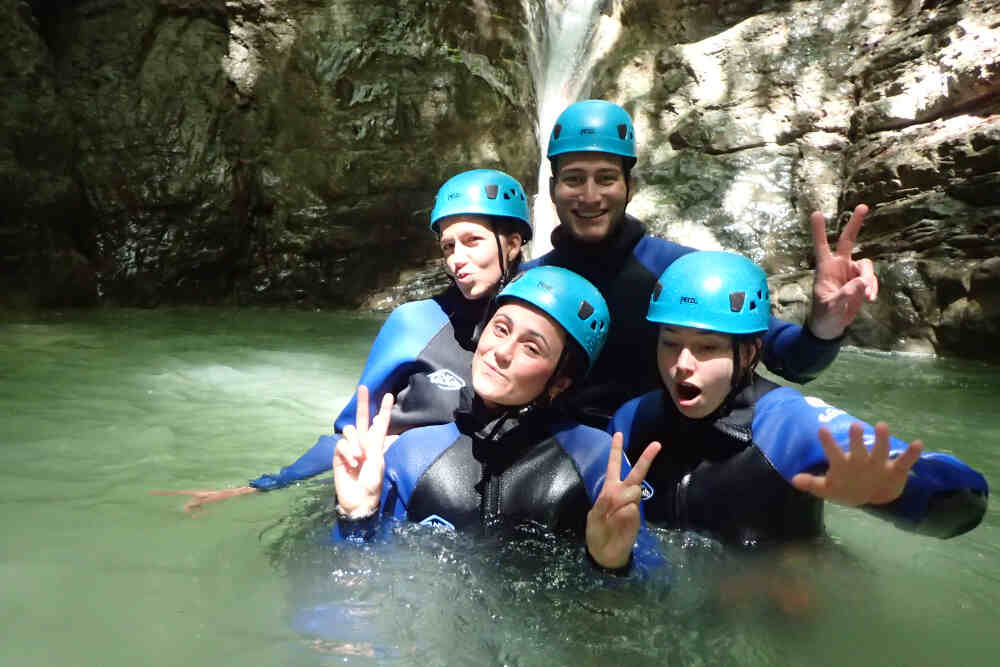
column 510, row 457
column 423, row 353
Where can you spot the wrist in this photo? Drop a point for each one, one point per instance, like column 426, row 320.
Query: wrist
column 358, row 512
column 616, row 566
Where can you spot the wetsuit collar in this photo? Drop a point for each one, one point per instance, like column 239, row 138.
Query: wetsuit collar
column 465, row 315
column 733, row 420
column 608, row 256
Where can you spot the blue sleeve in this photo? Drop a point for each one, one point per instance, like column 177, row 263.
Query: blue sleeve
column 399, row 342
column 589, row 449
column 943, row 496
column 794, row 353
column 317, row 460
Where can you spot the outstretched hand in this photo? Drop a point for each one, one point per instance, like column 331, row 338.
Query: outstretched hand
column 860, row 477
column 841, row 285
column 359, row 459
column 201, row 497
column 613, row 521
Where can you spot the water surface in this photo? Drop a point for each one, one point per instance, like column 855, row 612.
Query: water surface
column 99, row 408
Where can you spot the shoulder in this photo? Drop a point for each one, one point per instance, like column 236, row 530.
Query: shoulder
column 544, row 260
column 587, row 446
column 413, row 323
column 637, row 412
column 419, row 447
column 657, row 254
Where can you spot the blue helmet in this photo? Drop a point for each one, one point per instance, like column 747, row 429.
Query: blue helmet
column 594, row 126
column 569, row 299
column 716, row 291
column 483, row 192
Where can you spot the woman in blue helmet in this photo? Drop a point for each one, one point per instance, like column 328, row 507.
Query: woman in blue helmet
column 750, row 461
column 423, row 352
column 509, row 457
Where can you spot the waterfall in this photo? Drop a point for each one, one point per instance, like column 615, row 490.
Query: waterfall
column 567, row 37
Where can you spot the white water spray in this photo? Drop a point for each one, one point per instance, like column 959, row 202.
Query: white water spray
column 567, row 38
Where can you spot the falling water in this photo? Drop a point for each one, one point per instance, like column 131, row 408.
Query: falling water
column 567, row 38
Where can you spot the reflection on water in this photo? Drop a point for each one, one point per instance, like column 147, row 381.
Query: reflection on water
column 101, row 407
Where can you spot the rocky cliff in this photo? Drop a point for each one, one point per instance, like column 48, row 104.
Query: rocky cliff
column 756, row 113
column 275, row 151
column 247, row 150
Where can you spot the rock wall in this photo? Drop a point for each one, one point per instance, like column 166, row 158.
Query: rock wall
column 287, row 151
column 752, row 114
column 250, row 150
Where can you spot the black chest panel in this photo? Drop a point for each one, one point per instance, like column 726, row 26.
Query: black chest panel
column 433, row 384
column 494, row 484
column 710, row 476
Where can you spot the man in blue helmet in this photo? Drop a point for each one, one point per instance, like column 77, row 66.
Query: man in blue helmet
column 750, row 461
column 592, row 150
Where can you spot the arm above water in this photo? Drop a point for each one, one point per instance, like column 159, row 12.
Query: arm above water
column 390, row 361
column 841, row 286
column 941, row 496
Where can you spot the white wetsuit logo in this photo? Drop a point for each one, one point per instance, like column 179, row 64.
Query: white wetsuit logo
column 446, row 379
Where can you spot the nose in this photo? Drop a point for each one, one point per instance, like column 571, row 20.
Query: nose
column 503, row 351
column 457, row 258
column 589, row 192
column 686, row 361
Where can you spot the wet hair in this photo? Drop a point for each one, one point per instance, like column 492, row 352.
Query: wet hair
column 506, row 227
column 745, row 374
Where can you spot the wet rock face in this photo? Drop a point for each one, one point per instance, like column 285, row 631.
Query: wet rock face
column 751, row 115
column 250, row 150
column 256, row 151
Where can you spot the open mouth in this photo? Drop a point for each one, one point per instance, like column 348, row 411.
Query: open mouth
column 687, row 391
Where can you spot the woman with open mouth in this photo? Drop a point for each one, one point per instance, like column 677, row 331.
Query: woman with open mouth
column 751, row 462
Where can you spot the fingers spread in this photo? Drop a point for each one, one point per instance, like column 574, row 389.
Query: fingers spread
column 845, row 245
column 814, row 484
column 818, row 224
column 361, row 410
column 614, row 473
column 641, row 467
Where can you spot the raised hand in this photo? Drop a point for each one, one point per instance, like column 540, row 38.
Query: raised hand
column 359, row 459
column 859, row 476
column 841, row 285
column 201, row 497
column 613, row 521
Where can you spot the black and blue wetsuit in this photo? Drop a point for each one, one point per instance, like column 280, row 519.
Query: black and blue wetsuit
column 423, row 355
column 625, row 268
column 490, row 471
column 730, row 474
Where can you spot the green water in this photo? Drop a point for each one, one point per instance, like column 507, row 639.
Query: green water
column 100, row 408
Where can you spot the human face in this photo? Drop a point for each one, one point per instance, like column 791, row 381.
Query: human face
column 517, row 354
column 696, row 367
column 590, row 194
column 470, row 253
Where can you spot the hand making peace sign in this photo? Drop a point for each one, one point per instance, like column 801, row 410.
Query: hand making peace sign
column 613, row 521
column 359, row 459
column 841, row 285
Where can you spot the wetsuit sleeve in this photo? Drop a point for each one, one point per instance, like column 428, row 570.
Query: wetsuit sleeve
column 794, row 353
column 943, row 496
column 390, row 360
